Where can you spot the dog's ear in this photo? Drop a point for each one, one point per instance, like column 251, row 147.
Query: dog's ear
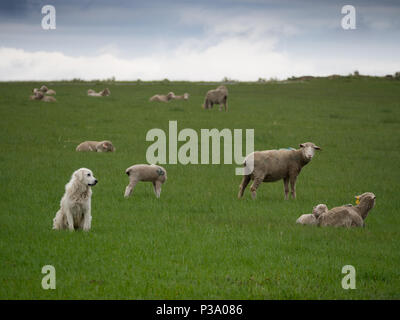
column 78, row 174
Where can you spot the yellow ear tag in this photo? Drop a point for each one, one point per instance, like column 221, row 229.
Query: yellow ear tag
column 357, row 200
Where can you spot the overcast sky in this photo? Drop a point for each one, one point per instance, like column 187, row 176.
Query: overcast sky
column 197, row 40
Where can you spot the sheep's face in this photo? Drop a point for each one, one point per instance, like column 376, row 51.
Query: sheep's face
column 368, row 197
column 85, row 176
column 170, row 95
column 308, row 150
column 319, row 209
column 107, row 146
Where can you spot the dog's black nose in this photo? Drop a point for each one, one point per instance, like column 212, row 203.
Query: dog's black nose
column 95, row 181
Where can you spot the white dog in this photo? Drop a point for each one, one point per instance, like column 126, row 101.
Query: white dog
column 75, row 205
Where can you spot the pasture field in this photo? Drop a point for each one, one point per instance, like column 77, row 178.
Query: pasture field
column 198, row 241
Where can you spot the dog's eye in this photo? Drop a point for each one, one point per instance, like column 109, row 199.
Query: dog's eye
column 88, row 174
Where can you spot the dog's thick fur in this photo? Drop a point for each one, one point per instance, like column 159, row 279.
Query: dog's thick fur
column 75, row 205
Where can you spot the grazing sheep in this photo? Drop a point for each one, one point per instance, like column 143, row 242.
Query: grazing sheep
column 75, row 205
column 162, row 98
column 274, row 165
column 184, row 97
column 216, row 96
column 348, row 215
column 96, row 146
column 103, row 93
column 50, row 92
column 312, row 218
column 144, row 172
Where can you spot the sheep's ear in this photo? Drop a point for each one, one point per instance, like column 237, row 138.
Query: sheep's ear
column 301, row 145
column 317, row 148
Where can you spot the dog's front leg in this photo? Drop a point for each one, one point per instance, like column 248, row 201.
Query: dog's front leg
column 70, row 220
column 87, row 218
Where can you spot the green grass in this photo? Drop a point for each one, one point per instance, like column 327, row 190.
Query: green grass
column 198, row 241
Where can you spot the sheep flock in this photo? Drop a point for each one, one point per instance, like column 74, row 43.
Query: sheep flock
column 260, row 166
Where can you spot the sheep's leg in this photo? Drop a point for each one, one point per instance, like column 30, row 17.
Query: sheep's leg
column 293, row 186
column 157, row 188
column 286, row 186
column 243, row 185
column 130, row 187
column 254, row 186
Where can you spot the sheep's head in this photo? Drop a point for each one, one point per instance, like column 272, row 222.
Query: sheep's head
column 319, row 209
column 107, row 146
column 170, row 95
column 366, row 198
column 308, row 150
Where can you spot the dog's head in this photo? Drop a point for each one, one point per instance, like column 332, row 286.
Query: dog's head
column 85, row 176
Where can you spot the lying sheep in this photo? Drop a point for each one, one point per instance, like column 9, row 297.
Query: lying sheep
column 48, row 99
column 38, row 95
column 96, row 146
column 103, row 93
column 50, row 92
column 274, row 165
column 216, row 96
column 348, row 215
column 312, row 218
column 43, row 88
column 144, row 172
column 162, row 98
column 184, row 97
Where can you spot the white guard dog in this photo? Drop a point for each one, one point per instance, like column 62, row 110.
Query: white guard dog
column 75, row 205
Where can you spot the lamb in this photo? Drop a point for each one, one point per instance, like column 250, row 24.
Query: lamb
column 348, row 215
column 312, row 218
column 103, row 93
column 144, row 172
column 274, row 165
column 96, row 146
column 162, row 98
column 184, row 97
column 216, row 96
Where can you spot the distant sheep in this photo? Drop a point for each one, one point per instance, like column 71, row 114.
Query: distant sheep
column 312, row 218
column 162, row 98
column 348, row 215
column 274, row 165
column 38, row 95
column 216, row 96
column 184, row 97
column 43, row 88
column 144, row 172
column 50, row 92
column 96, row 146
column 103, row 93
column 48, row 99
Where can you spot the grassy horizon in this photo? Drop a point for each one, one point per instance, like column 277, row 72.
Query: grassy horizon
column 198, row 241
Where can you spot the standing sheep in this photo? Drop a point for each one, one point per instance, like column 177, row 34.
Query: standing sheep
column 312, row 218
column 274, row 165
column 96, row 146
column 216, row 96
column 144, row 172
column 162, row 98
column 348, row 215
